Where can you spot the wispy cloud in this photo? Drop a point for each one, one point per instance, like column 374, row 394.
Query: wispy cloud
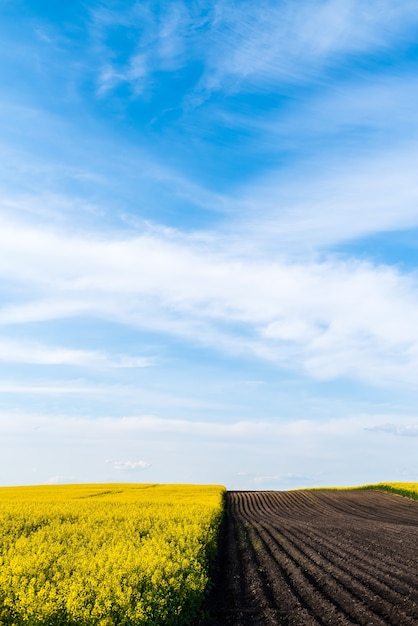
column 402, row 430
column 267, row 454
column 129, row 466
column 240, row 46
column 159, row 42
column 39, row 354
column 131, row 428
column 49, row 390
column 236, row 44
column 197, row 185
column 368, row 190
column 59, row 480
column 256, row 44
column 251, row 455
column 326, row 319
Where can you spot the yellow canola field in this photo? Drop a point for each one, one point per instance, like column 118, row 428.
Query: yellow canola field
column 409, row 490
column 107, row 555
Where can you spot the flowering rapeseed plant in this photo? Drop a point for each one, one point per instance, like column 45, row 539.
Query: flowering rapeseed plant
column 106, row 555
column 410, row 490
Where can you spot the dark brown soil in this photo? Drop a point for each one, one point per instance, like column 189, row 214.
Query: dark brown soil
column 323, row 558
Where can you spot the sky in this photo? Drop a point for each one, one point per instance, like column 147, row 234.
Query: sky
column 209, row 242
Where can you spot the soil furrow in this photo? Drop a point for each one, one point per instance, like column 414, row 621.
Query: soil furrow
column 363, row 586
column 307, row 604
column 345, row 545
column 325, row 583
column 321, row 558
column 357, row 562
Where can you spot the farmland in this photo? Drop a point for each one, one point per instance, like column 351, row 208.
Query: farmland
column 106, row 554
column 318, row 558
column 132, row 555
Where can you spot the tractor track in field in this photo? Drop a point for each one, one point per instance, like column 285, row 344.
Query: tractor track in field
column 316, row 558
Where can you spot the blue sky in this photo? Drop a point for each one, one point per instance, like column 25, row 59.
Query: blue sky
column 208, row 242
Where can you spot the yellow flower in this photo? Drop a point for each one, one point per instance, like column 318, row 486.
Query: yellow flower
column 105, row 555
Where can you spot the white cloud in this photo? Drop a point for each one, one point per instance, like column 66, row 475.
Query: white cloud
column 59, row 480
column 326, row 319
column 264, row 43
column 403, row 430
column 160, row 44
column 52, row 389
column 40, row 354
column 241, row 45
column 134, row 427
column 129, row 466
column 339, row 120
column 363, row 194
column 135, row 73
column 274, row 454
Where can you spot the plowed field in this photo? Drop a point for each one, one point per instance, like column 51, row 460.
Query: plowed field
column 323, row 558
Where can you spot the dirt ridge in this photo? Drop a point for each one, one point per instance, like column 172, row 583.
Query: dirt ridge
column 316, row 558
